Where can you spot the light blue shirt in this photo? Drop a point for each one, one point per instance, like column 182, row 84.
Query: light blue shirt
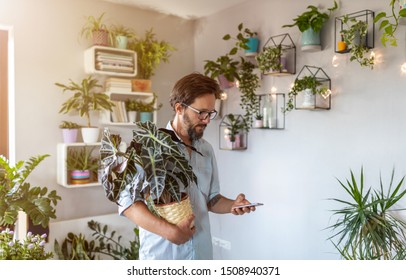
column 153, row 246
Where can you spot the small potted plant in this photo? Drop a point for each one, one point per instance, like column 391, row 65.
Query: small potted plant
column 147, row 108
column 310, row 24
column 225, row 69
column 132, row 106
column 148, row 167
column 120, row 35
column 234, row 130
column 96, row 29
column 16, row 194
column 354, row 36
column 270, row 60
column 310, row 86
column 81, row 165
column 150, row 54
column 245, row 40
column 69, row 131
column 259, row 123
column 31, row 248
column 85, row 100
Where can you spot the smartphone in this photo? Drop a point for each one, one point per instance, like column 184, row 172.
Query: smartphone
column 255, row 204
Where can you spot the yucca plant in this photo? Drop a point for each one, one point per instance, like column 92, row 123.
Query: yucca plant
column 368, row 227
column 152, row 166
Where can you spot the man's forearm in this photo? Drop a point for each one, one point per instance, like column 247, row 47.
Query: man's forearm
column 220, row 204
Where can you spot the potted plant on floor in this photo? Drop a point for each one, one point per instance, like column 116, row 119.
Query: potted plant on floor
column 16, row 194
column 150, row 54
column 354, row 36
column 368, row 226
column 69, row 131
column 82, row 165
column 85, row 100
column 310, row 86
column 310, row 24
column 153, row 165
column 96, row 29
column 120, row 35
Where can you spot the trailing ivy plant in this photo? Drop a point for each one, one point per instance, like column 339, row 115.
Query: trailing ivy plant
column 249, row 83
column 153, row 165
column 355, row 38
column 389, row 24
column 269, row 59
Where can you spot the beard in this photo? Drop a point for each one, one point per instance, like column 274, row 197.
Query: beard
column 195, row 131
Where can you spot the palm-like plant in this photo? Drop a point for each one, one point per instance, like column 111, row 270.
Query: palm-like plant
column 367, row 227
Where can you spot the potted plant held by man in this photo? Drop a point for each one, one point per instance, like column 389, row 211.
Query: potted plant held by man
column 85, row 100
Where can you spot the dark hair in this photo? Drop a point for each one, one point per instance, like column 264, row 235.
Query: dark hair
column 191, row 86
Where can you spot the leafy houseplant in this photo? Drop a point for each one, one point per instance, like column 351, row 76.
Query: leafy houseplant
column 150, row 53
column 313, row 18
column 120, row 35
column 241, row 39
column 69, row 131
column 149, row 106
column 96, row 29
column 235, row 126
column 68, row 125
column 249, row 83
column 269, row 59
column 31, row 248
column 85, row 98
column 306, row 82
column 82, row 165
column 77, row 247
column 354, row 37
column 153, row 166
column 16, row 194
column 390, row 23
column 224, row 66
column 367, row 227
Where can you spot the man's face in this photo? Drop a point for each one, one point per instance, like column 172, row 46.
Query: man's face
column 191, row 122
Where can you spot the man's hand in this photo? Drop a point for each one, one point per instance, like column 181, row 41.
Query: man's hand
column 240, row 200
column 183, row 231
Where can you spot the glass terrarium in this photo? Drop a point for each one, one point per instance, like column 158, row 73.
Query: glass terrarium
column 233, row 133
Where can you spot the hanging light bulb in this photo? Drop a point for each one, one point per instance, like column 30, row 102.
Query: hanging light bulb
column 237, row 84
column 335, row 61
column 223, row 95
column 403, row 67
column 273, row 90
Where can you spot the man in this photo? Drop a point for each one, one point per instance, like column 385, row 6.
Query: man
column 193, row 98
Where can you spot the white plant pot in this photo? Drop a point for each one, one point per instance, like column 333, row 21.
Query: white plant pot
column 258, row 123
column 90, row 134
column 131, row 116
column 308, row 99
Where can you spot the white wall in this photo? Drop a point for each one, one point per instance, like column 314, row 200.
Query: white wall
column 48, row 49
column 294, row 171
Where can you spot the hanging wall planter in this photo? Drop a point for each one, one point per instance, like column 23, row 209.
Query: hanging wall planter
column 232, row 133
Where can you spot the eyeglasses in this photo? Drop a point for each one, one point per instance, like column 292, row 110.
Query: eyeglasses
column 203, row 115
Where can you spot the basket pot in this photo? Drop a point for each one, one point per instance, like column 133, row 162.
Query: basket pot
column 175, row 212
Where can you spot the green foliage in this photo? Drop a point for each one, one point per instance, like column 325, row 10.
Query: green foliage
column 77, row 247
column 307, row 82
column 354, row 35
column 249, row 83
column 85, row 99
column 269, row 59
column 367, row 227
column 81, row 159
column 313, row 18
column 120, row 30
column 149, row 106
column 389, row 24
column 241, row 39
column 17, row 195
column 235, row 125
column 150, row 53
column 132, row 105
column 93, row 24
column 223, row 65
column 152, row 166
column 31, row 248
column 69, row 125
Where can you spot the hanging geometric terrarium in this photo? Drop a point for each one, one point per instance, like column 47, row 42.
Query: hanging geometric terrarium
column 232, row 133
column 311, row 90
column 270, row 111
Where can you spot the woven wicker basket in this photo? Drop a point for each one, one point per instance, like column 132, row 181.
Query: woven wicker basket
column 175, row 212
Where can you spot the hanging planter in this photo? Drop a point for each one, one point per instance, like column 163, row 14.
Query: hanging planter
column 233, row 133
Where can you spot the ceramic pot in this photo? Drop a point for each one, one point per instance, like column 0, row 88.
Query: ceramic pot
column 90, row 134
column 311, row 40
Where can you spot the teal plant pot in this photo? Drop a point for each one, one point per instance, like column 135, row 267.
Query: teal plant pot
column 121, row 42
column 311, row 40
column 145, row 116
column 252, row 45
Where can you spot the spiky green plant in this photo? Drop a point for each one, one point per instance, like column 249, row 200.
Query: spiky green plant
column 368, row 227
column 153, row 165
